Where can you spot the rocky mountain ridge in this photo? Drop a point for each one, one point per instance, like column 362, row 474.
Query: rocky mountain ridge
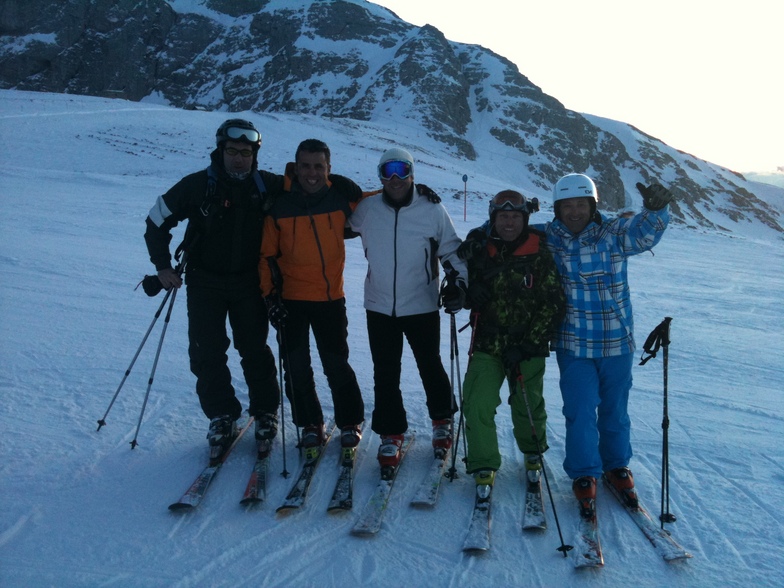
column 352, row 59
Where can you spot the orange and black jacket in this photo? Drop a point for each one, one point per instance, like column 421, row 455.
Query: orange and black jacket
column 304, row 234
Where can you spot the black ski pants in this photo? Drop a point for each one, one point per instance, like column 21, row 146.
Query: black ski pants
column 329, row 324
column 211, row 299
column 423, row 333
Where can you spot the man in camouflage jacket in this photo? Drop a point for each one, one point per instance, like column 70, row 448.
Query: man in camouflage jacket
column 516, row 303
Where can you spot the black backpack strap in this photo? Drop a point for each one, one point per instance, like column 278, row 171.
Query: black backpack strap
column 209, row 197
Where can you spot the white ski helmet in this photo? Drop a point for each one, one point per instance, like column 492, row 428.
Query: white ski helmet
column 396, row 154
column 575, row 186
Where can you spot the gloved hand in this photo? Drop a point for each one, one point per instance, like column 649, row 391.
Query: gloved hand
column 478, row 294
column 655, row 197
column 473, row 244
column 427, row 192
column 276, row 312
column 346, row 187
column 453, row 297
column 151, row 285
column 511, row 359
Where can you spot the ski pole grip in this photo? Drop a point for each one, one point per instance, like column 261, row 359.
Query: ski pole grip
column 659, row 337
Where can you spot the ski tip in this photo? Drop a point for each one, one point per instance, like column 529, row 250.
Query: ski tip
column 286, row 509
column 588, row 564
column 180, row 507
column 423, row 504
column 475, row 550
column 534, row 527
column 251, row 501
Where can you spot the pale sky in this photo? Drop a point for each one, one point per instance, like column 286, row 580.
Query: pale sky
column 703, row 76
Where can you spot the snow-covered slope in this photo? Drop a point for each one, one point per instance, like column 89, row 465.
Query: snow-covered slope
column 83, row 509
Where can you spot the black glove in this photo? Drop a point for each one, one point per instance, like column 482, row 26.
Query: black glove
column 276, row 311
column 511, row 359
column 151, row 285
column 428, row 193
column 346, row 186
column 473, row 244
column 453, row 297
column 478, row 294
column 655, row 197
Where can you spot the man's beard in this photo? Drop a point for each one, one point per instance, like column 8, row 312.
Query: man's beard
column 238, row 175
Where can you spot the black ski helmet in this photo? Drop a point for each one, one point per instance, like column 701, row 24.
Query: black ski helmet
column 512, row 200
column 237, row 129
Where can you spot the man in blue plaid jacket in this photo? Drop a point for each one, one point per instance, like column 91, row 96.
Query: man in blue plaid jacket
column 594, row 344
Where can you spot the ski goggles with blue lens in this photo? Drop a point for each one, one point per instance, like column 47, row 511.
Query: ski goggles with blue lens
column 401, row 169
column 239, row 134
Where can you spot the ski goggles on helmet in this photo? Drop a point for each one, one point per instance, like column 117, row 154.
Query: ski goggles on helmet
column 401, row 169
column 510, row 206
column 239, row 134
column 513, row 203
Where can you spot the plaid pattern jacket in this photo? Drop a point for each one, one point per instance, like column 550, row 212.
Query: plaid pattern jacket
column 592, row 266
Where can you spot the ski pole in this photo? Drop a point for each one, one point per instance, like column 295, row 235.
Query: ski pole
column 154, row 366
column 277, row 282
column 449, row 283
column 660, row 338
column 454, row 357
column 511, row 380
column 452, row 472
column 453, row 329
column 285, row 472
column 666, row 516
column 179, row 269
column 102, row 421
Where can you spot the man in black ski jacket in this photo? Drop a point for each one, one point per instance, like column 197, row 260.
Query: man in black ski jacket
column 225, row 207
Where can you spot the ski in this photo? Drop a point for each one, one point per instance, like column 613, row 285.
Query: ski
column 194, row 495
column 299, row 491
column 427, row 493
column 588, row 546
column 661, row 540
column 369, row 522
column 533, row 515
column 256, row 489
column 343, row 495
column 477, row 539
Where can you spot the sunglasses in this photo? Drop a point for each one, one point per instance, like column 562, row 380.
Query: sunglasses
column 401, row 169
column 231, row 152
column 239, row 134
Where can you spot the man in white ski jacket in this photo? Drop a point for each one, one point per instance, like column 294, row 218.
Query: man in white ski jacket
column 404, row 236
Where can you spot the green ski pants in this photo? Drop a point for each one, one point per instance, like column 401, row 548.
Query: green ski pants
column 484, row 380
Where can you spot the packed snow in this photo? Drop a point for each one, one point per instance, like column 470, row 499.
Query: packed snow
column 82, row 508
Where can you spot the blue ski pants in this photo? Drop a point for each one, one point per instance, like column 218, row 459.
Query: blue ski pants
column 595, row 395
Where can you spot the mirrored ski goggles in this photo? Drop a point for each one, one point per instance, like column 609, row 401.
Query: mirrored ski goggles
column 401, row 169
column 510, row 206
column 239, row 134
